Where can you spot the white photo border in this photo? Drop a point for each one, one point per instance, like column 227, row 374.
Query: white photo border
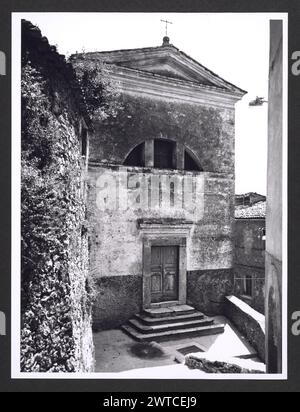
column 16, row 227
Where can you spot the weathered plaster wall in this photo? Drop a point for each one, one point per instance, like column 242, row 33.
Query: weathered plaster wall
column 116, row 253
column 207, row 289
column 274, row 205
column 207, row 131
column 250, row 261
column 120, row 297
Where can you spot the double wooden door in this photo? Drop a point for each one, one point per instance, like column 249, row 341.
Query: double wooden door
column 164, row 273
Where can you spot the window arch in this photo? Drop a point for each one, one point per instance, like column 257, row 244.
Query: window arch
column 191, row 163
column 163, row 154
column 136, row 157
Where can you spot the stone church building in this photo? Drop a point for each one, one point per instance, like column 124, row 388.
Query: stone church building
column 161, row 182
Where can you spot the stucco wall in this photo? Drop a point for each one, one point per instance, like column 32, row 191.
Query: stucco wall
column 207, row 131
column 116, row 250
column 117, row 245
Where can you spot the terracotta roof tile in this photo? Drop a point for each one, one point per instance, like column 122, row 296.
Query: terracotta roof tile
column 256, row 211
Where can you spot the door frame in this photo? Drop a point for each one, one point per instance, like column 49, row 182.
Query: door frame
column 164, row 235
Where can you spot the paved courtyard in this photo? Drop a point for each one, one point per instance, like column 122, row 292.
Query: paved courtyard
column 117, row 352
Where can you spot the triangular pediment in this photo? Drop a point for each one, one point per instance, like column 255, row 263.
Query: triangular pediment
column 168, row 66
column 167, row 61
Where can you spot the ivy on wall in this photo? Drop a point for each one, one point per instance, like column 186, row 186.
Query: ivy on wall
column 57, row 290
column 101, row 94
column 52, row 213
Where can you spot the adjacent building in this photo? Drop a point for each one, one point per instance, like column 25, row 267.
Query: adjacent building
column 250, row 240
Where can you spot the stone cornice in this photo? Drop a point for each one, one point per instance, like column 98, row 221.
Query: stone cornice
column 134, row 81
column 165, row 229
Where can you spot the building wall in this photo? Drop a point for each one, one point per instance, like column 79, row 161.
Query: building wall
column 207, row 131
column 250, row 261
column 274, row 205
column 117, row 246
column 56, row 333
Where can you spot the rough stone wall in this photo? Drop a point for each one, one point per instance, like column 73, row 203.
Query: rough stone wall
column 274, row 204
column 56, row 333
column 250, row 261
column 231, row 365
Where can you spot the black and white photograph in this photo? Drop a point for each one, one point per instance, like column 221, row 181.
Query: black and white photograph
column 149, row 195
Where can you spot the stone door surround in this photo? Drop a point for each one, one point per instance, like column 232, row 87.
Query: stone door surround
column 164, row 232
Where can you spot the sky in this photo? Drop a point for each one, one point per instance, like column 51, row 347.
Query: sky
column 235, row 46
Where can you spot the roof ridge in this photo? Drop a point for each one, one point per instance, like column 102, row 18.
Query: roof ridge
column 170, row 46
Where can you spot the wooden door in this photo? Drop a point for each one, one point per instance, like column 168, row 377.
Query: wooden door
column 164, row 273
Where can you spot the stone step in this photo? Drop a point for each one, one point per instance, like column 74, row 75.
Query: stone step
column 173, row 334
column 161, row 312
column 187, row 324
column 148, row 320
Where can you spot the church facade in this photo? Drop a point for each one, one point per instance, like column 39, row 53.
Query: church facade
column 161, row 186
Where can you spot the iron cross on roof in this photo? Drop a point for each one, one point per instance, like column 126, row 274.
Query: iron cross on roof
column 167, row 22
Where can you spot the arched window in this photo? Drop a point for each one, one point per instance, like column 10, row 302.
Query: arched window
column 191, row 163
column 162, row 154
column 136, row 157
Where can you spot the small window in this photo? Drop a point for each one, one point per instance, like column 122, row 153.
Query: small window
column 248, row 285
column 263, row 233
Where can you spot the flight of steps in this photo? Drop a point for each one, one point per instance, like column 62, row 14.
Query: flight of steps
column 172, row 322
